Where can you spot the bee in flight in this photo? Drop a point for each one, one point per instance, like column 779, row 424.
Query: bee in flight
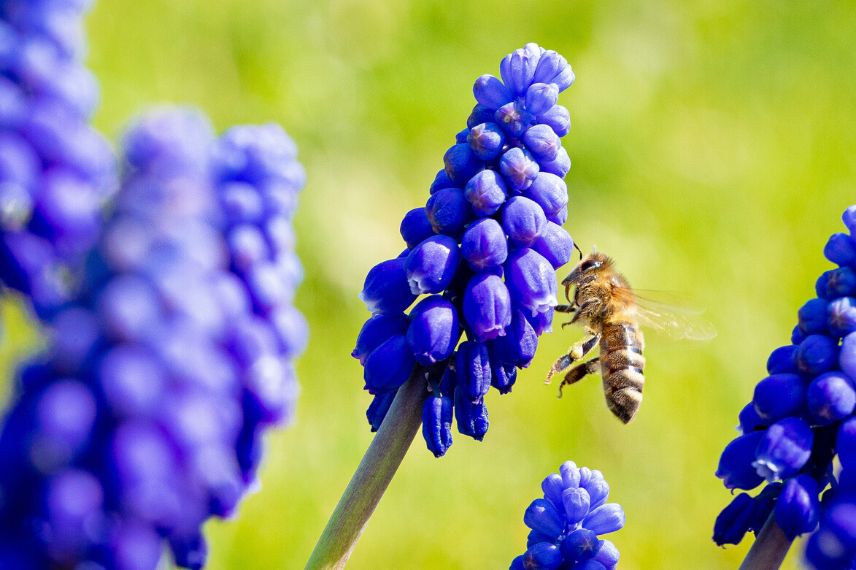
column 610, row 311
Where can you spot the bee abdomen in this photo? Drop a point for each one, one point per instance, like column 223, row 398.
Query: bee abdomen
column 622, row 366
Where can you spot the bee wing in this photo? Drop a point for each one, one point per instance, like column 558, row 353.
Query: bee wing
column 672, row 316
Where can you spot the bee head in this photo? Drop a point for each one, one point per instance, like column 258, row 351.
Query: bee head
column 587, row 265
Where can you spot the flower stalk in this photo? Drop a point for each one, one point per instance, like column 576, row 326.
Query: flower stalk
column 769, row 549
column 371, row 478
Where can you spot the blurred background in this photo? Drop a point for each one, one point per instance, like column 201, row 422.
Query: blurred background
column 713, row 148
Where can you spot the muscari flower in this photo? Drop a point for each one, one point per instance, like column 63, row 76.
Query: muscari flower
column 567, row 522
column 800, row 419
column 55, row 170
column 144, row 416
column 485, row 248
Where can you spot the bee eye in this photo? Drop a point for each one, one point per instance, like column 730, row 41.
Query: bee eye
column 589, row 264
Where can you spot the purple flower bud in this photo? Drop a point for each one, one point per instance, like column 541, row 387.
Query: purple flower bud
column 441, row 180
column 431, row 265
column 834, row 544
column 531, row 281
column 386, row 289
column 518, row 68
column 518, row 345
column 486, row 192
column 821, row 285
column 486, row 141
column 490, row 92
column 472, row 416
column 847, row 355
column 840, row 249
column 557, row 118
column 513, row 119
column 462, row 135
column 540, row 97
column 797, row 335
column 840, row 282
column 735, row 465
column 484, row 245
column 543, row 555
column 550, row 192
column 555, row 244
column 581, row 544
column 813, row 316
column 816, row 354
column 74, row 501
column 378, row 408
column 605, row 519
column 448, row 211
column 778, row 396
column 518, row 168
column 553, row 68
column 797, row 508
column 542, row 142
column 541, row 516
column 128, row 308
column 479, row 115
column 389, row 365
column 734, row 520
column 433, row 331
column 749, row 419
column 576, row 503
column 502, row 375
column 541, row 322
column 842, row 316
column 416, row 227
column 571, row 475
column 437, row 424
column 132, row 380
column 607, row 555
column 597, row 488
column 845, row 445
column 461, row 163
column 782, row 360
column 830, row 397
column 784, row 448
column 377, row 330
column 487, row 306
column 472, row 364
column 560, row 166
column 523, row 220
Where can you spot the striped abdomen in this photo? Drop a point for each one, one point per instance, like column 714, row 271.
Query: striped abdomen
column 621, row 366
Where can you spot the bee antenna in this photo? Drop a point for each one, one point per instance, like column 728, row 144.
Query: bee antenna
column 578, row 250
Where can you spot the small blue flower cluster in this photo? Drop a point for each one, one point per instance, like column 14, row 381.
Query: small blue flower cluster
column 483, row 250
column 800, row 418
column 144, row 416
column 566, row 523
column 55, row 170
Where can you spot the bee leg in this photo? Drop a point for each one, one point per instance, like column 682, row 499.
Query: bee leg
column 579, row 372
column 582, row 309
column 576, row 352
column 570, row 309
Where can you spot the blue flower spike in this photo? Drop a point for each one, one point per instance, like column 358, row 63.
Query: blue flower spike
column 801, row 418
column 485, row 249
column 144, row 416
column 568, row 520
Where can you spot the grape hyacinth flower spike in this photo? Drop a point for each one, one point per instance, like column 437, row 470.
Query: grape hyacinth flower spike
column 56, row 171
column 479, row 264
column 800, row 419
column 143, row 417
column 567, row 521
column 483, row 250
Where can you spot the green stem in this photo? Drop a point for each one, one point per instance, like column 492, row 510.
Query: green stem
column 770, row 548
column 371, row 479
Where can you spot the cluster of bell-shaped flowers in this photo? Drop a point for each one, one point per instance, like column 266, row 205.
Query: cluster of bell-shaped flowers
column 142, row 418
column 481, row 255
column 800, row 419
column 56, row 171
column 567, row 521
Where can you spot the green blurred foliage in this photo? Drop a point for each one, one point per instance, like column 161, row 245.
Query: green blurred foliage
column 713, row 148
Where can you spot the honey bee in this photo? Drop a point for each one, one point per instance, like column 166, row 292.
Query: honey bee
column 611, row 312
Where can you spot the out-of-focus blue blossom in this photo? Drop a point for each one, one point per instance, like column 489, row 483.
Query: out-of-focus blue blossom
column 144, row 416
column 487, row 245
column 800, row 419
column 567, row 521
column 55, row 170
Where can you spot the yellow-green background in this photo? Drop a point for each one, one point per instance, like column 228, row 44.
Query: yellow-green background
column 713, row 147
